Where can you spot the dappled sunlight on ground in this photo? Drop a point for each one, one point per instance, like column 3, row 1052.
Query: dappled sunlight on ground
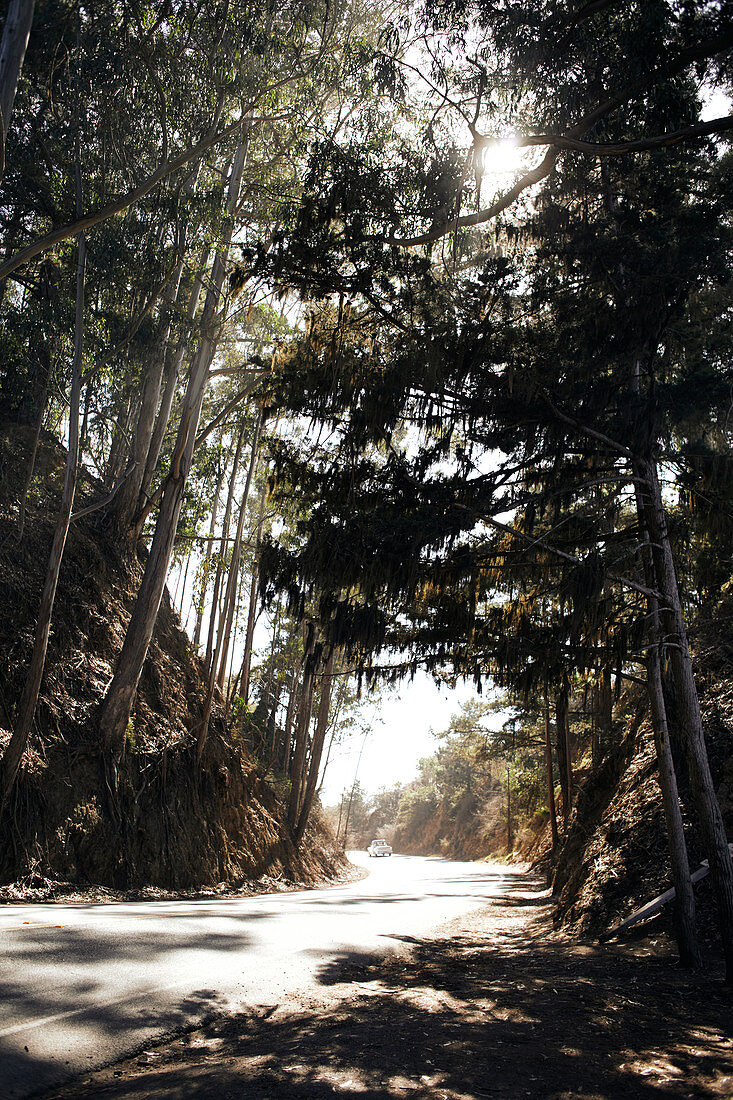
column 497, row 1006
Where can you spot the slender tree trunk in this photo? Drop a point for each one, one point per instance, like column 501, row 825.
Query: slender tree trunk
column 183, row 586
column 118, row 702
column 319, row 737
column 214, row 613
column 174, row 363
column 231, row 681
column 333, row 727
column 26, row 712
column 605, row 709
column 34, row 452
column 117, row 450
column 273, row 699
column 233, row 578
column 207, row 562
column 688, row 706
column 341, row 814
column 289, row 718
column 302, row 729
column 125, row 505
column 549, row 775
column 353, row 789
column 684, row 903
column 595, row 744
column 252, row 610
column 225, row 619
column 563, row 750
column 16, row 33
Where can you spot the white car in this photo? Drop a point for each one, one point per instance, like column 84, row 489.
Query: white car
column 379, row 848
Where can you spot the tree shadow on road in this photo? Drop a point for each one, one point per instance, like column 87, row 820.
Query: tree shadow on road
column 499, row 1006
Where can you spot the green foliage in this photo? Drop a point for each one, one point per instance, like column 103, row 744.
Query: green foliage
column 130, row 737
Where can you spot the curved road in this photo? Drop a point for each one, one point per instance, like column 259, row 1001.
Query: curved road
column 83, row 985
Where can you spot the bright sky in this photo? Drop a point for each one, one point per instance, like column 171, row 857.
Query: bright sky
column 400, row 735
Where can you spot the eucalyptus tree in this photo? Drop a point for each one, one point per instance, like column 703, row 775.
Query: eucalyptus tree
column 306, row 52
column 16, row 29
column 223, row 98
column 70, row 128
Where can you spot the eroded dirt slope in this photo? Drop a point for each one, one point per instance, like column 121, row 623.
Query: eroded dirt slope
column 170, row 823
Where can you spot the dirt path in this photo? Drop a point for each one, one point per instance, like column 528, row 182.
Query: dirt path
column 496, row 1006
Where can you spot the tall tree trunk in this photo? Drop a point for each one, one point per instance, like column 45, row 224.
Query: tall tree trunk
column 289, row 718
column 183, row 585
column 273, row 698
column 353, row 789
column 252, row 608
column 605, row 708
column 26, row 712
column 174, row 361
column 224, row 543
column 688, row 706
column 34, row 450
column 302, row 729
column 125, row 506
column 16, row 33
column 341, row 814
column 549, row 776
column 118, row 702
column 119, row 444
column 207, row 561
column 230, row 598
column 563, row 749
column 684, row 902
column 231, row 682
column 319, row 737
column 274, row 703
column 333, row 725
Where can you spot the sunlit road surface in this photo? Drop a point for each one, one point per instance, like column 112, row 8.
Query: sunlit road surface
column 83, row 985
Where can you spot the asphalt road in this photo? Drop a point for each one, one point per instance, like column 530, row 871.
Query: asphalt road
column 83, row 985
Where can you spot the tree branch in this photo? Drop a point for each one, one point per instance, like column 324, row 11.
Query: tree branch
column 120, row 204
column 64, row 232
column 702, row 51
column 585, row 430
column 238, row 397
column 659, row 141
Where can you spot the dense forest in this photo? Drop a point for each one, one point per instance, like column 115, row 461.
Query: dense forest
column 338, row 342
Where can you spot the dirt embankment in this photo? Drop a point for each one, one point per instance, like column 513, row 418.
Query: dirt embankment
column 456, row 832
column 170, row 823
column 614, row 854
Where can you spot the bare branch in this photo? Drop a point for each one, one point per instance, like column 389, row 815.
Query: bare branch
column 700, row 52
column 585, row 430
column 229, row 407
column 640, row 145
column 628, row 582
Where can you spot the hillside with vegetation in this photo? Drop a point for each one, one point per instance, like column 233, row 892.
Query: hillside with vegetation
column 333, row 345
column 484, row 794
